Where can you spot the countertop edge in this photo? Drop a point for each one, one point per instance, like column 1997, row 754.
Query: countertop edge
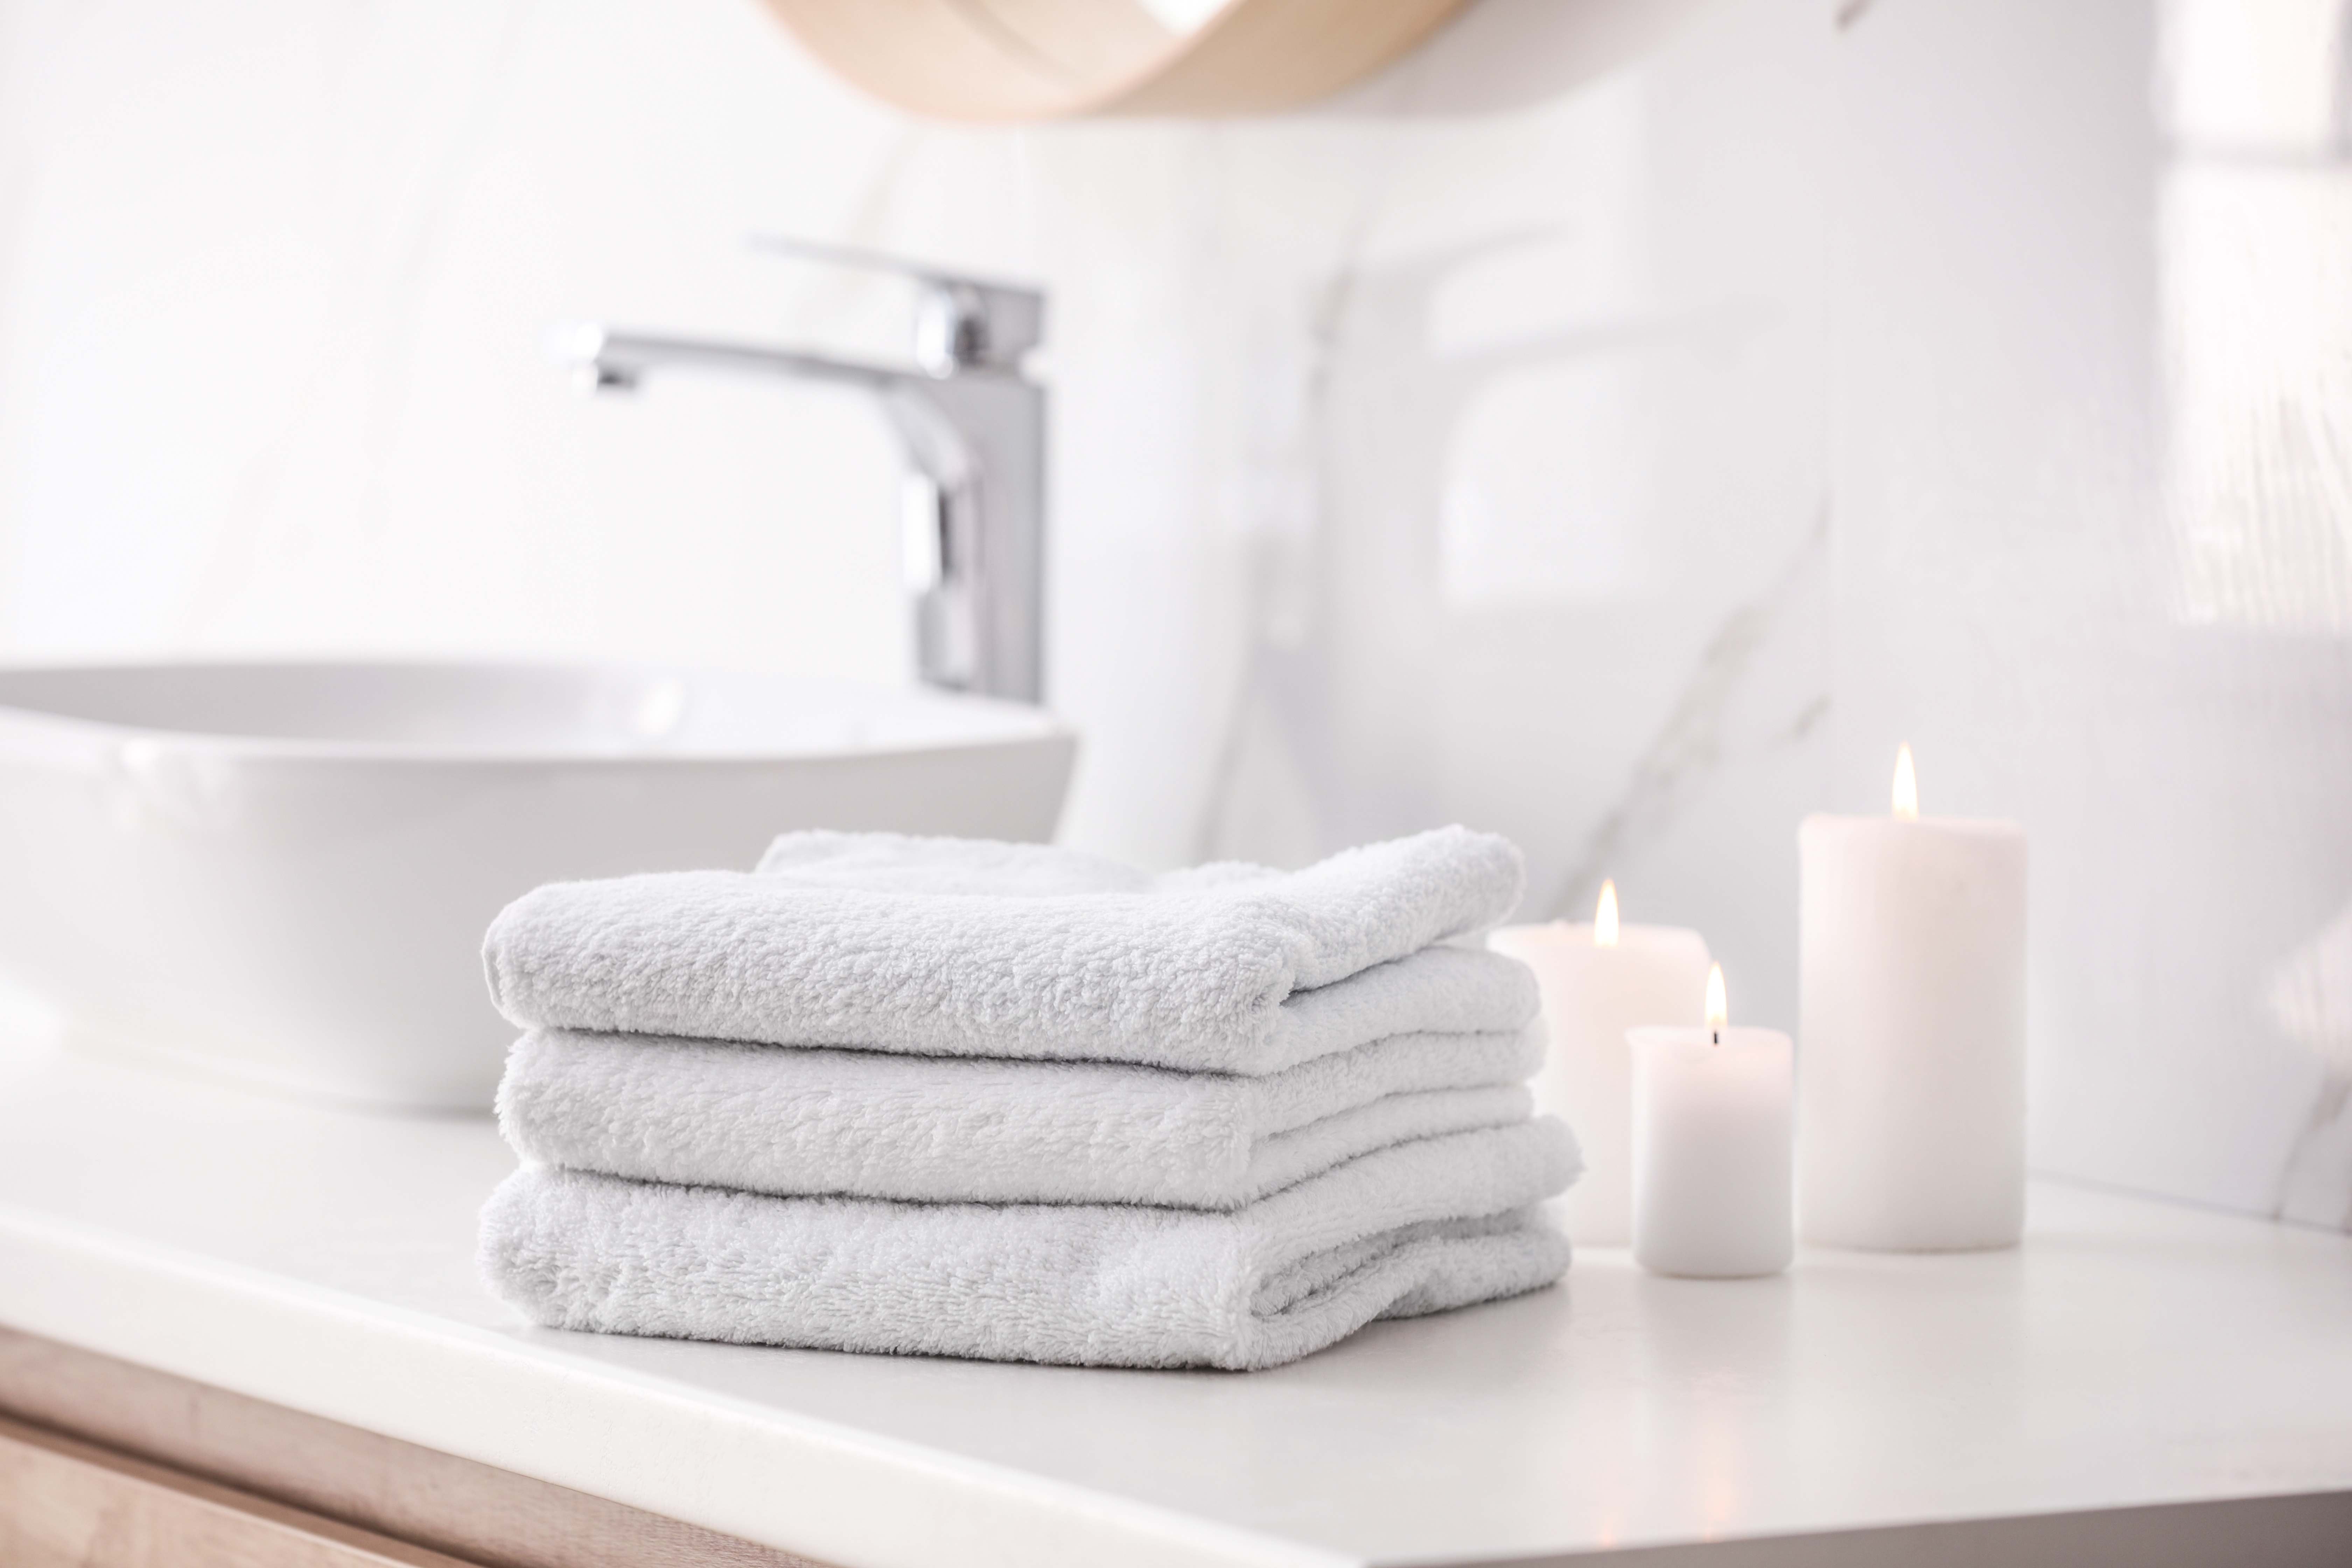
column 803, row 1485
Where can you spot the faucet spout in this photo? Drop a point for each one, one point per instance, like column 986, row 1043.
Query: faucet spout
column 973, row 429
column 613, row 359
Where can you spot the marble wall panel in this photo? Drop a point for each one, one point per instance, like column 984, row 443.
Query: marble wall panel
column 1619, row 425
column 1451, row 450
column 2092, row 553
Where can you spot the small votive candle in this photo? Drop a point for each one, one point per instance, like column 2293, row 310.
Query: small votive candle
column 1712, row 1180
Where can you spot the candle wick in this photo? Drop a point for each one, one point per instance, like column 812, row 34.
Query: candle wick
column 1719, row 1035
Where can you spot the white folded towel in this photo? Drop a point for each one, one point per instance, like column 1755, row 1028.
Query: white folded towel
column 886, row 944
column 797, row 1122
column 1418, row 1228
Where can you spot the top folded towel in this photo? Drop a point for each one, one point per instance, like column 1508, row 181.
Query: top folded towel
column 945, row 947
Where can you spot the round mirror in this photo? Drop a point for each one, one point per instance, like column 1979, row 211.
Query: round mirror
column 1049, row 59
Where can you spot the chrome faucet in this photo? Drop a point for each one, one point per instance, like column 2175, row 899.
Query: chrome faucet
column 973, row 430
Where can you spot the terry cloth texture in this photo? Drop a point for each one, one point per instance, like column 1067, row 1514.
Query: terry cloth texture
column 1417, row 1227
column 879, row 942
column 798, row 1121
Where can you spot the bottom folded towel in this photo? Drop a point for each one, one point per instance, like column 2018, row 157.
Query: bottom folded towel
column 1417, row 1227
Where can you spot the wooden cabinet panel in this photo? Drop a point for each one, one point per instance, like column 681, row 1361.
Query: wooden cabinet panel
column 64, row 1504
column 482, row 1515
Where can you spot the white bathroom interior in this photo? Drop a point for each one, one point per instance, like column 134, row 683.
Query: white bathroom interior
column 1617, row 425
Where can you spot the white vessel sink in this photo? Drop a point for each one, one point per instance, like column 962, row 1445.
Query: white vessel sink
column 283, row 872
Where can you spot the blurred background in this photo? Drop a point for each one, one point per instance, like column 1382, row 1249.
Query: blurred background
column 1618, row 426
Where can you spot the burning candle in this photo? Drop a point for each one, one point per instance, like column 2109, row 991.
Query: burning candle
column 1711, row 1152
column 1913, row 981
column 1599, row 980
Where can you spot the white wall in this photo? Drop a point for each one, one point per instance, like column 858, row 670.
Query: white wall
column 2093, row 385
column 1453, row 451
column 1462, row 449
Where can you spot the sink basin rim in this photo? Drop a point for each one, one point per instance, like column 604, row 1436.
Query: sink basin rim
column 967, row 720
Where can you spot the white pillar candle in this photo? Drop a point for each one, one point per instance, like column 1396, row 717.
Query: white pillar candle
column 1712, row 1108
column 1599, row 980
column 1913, row 981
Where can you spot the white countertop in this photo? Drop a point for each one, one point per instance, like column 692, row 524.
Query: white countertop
column 2131, row 1352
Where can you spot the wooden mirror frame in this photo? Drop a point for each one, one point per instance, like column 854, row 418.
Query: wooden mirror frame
column 1011, row 60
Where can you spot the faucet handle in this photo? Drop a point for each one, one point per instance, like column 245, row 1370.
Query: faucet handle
column 962, row 323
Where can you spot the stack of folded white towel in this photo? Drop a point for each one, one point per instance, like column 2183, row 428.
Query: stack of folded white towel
column 1000, row 1100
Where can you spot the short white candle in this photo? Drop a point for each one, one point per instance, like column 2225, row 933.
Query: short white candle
column 1599, row 980
column 1913, row 978
column 1711, row 1157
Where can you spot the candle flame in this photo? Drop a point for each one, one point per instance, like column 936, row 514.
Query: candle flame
column 1906, row 786
column 1718, row 1010
column 1604, row 917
